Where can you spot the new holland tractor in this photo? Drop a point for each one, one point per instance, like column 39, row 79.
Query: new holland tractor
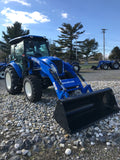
column 105, row 65
column 32, row 68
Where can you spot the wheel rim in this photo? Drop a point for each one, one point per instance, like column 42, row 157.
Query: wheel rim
column 8, row 80
column 105, row 66
column 116, row 66
column 28, row 89
column 76, row 68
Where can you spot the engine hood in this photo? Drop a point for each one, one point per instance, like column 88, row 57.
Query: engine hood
column 57, row 62
column 47, row 60
column 50, row 60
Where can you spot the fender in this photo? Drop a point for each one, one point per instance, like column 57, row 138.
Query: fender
column 17, row 68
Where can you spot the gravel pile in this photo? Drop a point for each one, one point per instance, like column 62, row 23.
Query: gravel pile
column 28, row 130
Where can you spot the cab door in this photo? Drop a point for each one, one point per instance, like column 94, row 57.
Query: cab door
column 18, row 52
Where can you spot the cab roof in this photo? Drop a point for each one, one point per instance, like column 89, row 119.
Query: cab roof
column 19, row 39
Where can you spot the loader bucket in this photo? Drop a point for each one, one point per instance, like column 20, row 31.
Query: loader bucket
column 76, row 113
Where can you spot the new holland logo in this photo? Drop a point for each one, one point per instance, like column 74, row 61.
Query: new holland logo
column 68, row 82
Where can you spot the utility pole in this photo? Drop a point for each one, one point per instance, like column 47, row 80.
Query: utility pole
column 103, row 31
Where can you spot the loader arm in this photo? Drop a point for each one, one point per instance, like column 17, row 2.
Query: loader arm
column 61, row 85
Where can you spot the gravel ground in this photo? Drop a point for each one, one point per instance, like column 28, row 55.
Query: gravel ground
column 29, row 132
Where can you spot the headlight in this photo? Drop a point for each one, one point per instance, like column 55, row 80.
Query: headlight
column 53, row 68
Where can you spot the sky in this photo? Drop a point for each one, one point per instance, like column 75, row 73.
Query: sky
column 44, row 17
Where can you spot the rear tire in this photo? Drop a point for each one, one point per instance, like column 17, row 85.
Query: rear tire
column 12, row 81
column 32, row 88
column 115, row 65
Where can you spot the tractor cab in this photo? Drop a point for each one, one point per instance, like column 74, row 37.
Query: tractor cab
column 25, row 46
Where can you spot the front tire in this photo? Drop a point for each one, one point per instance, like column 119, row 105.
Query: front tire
column 32, row 88
column 12, row 81
column 105, row 66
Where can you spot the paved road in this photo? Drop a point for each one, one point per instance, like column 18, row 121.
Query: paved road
column 90, row 75
column 101, row 75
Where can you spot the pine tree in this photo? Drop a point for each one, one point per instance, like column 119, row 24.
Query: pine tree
column 14, row 31
column 69, row 34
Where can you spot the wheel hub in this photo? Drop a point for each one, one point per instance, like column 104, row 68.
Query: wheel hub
column 8, row 81
column 116, row 65
column 28, row 89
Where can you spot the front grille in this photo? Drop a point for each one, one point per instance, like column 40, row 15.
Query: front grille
column 59, row 65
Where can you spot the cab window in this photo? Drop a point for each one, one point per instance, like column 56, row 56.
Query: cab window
column 36, row 47
column 19, row 49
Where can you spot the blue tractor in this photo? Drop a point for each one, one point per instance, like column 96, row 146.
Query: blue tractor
column 106, row 65
column 32, row 68
column 2, row 69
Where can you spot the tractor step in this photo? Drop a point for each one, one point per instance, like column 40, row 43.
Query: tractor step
column 76, row 113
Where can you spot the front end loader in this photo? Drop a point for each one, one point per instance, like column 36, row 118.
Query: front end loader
column 32, row 68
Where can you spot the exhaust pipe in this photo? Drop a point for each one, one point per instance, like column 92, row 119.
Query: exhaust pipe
column 76, row 113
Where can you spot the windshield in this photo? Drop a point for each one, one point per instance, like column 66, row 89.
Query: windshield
column 36, row 47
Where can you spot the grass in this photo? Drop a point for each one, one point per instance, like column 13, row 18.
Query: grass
column 88, row 65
